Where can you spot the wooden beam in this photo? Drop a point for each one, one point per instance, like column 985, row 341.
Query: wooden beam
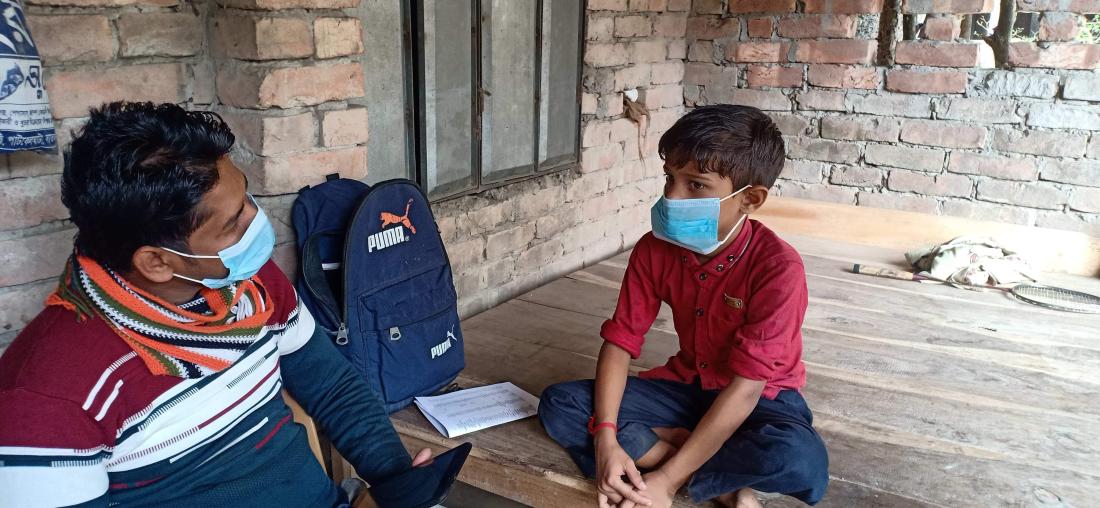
column 1050, row 250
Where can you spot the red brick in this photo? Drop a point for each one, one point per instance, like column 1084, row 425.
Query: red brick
column 273, row 135
column 648, row 51
column 290, row 4
column 804, row 171
column 850, row 51
column 946, row 6
column 937, row 54
column 648, row 5
column 856, row 176
column 776, row 77
column 19, row 305
column 841, row 26
column 711, row 27
column 676, row 5
column 663, row 96
column 667, row 72
column 1085, row 200
column 284, row 174
column 747, row 6
column 821, row 100
column 64, row 39
column 710, row 75
column 202, row 82
column 844, row 6
column 289, row 87
column 802, row 147
column 677, row 49
column 709, row 7
column 920, row 159
column 1058, row 26
column 32, row 258
column 767, row 100
column 600, row 29
column 1031, row 194
column 601, row 157
column 106, row 3
column 670, row 25
column 996, row 166
column 345, row 127
column 860, row 128
column 701, row 51
column 30, row 201
column 335, row 37
column 1081, row 6
column 73, row 92
column 984, row 211
column 926, row 82
column 934, row 185
column 250, row 38
column 606, row 55
column 1076, row 172
column 844, row 76
column 24, row 163
column 757, row 52
column 942, row 28
column 790, row 124
column 633, row 76
column 945, row 134
column 1056, row 55
column 761, row 27
column 160, row 34
column 633, row 26
column 1039, row 142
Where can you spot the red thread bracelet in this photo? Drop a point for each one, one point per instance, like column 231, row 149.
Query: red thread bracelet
column 593, row 426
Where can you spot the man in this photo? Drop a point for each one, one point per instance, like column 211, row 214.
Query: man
column 153, row 376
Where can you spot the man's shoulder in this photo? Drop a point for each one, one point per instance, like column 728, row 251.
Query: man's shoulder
column 281, row 289
column 60, row 356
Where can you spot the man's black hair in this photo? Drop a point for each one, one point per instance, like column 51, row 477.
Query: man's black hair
column 738, row 142
column 135, row 175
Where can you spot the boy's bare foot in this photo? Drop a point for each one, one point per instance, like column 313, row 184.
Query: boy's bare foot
column 677, row 436
column 661, row 452
column 744, row 498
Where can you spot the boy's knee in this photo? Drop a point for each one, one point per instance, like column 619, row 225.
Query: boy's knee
column 808, row 464
column 563, row 398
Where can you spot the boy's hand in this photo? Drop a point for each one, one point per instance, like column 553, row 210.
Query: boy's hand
column 662, row 489
column 612, row 462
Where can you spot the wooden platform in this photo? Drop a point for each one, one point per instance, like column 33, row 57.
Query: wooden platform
column 926, row 395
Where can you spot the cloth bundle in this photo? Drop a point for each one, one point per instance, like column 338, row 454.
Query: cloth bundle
column 972, row 260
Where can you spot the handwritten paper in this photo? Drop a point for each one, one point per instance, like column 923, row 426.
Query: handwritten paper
column 474, row 409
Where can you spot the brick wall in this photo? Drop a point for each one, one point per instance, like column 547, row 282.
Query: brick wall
column 287, row 75
column 921, row 125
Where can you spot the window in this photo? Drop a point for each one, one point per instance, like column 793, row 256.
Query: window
column 495, row 91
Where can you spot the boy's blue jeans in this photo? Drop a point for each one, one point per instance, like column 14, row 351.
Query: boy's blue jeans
column 775, row 450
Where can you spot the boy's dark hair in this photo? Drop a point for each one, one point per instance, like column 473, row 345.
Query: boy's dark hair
column 738, row 142
column 135, row 175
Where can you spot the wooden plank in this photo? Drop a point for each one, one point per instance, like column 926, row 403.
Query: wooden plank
column 1052, row 250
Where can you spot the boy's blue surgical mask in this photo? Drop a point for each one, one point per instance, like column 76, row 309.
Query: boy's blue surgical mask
column 691, row 223
column 244, row 258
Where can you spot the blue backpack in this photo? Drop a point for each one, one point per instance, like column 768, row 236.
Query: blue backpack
column 375, row 275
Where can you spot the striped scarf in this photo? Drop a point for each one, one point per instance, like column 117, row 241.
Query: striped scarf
column 170, row 339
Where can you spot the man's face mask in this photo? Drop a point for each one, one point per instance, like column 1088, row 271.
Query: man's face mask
column 691, row 223
column 244, row 258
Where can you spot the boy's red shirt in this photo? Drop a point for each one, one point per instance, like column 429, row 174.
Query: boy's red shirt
column 740, row 314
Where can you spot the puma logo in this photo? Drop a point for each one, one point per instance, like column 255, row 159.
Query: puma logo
column 392, row 236
column 389, row 219
column 443, row 347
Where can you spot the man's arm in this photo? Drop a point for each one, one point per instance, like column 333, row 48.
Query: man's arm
column 728, row 412
column 345, row 407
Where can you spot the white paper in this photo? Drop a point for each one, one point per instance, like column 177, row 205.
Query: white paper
column 474, row 409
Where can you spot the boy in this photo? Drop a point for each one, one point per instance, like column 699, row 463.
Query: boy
column 724, row 415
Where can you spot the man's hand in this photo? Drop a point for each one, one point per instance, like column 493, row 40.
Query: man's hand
column 662, row 489
column 423, row 458
column 612, row 462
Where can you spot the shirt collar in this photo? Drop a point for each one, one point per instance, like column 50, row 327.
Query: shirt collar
column 727, row 256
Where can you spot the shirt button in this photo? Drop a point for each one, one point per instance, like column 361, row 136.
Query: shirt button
column 720, row 267
column 702, row 365
column 702, row 276
column 698, row 312
column 729, row 258
column 683, row 259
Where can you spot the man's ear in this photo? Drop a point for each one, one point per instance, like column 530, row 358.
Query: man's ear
column 153, row 264
column 755, row 197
